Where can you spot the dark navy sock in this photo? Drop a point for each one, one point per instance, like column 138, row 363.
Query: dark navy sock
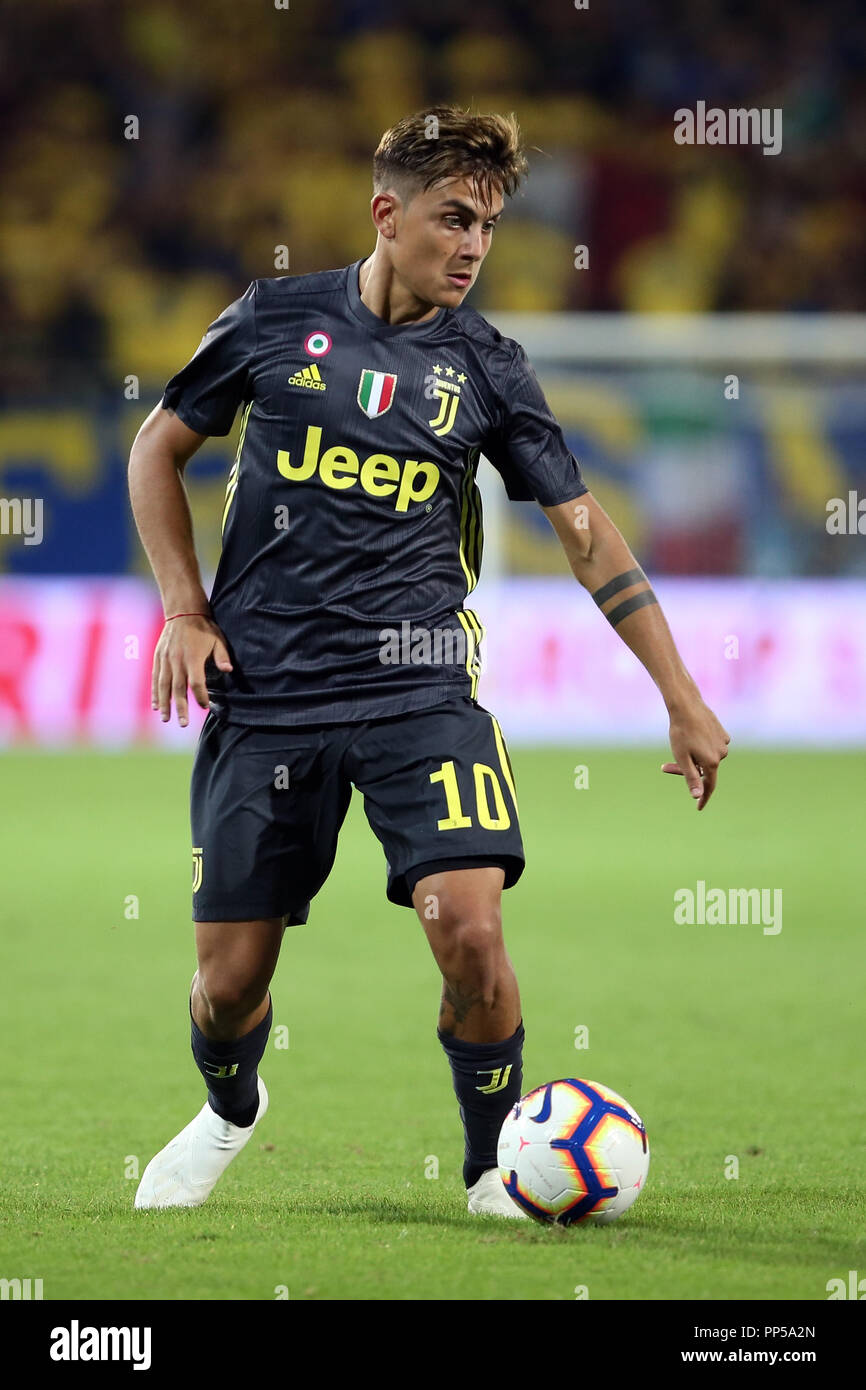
column 230, row 1069
column 476, row 1067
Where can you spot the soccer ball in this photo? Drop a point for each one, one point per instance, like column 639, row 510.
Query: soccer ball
column 573, row 1151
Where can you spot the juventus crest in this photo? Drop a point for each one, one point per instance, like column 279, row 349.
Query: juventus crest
column 440, row 386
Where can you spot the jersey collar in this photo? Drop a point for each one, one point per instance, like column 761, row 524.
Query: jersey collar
column 372, row 321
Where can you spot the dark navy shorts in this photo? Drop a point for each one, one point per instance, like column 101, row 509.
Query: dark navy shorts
column 267, row 805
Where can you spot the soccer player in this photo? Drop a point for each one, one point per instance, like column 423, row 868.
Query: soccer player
column 335, row 649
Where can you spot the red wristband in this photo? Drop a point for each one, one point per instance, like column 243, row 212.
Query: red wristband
column 187, row 615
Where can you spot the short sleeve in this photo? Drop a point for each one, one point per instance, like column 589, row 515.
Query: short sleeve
column 206, row 393
column 527, row 446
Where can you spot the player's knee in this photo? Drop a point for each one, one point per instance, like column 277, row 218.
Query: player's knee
column 469, row 945
column 229, row 996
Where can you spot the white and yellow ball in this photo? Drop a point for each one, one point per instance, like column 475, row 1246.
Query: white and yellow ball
column 573, row 1150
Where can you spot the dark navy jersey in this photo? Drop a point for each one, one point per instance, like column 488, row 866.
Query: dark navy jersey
column 352, row 523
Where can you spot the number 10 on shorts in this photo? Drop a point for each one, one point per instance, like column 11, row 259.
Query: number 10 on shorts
column 487, row 784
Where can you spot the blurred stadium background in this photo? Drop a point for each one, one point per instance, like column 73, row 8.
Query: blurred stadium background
column 255, row 128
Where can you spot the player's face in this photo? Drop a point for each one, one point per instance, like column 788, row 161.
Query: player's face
column 443, row 236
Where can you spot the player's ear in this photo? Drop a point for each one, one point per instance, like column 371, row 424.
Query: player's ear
column 383, row 209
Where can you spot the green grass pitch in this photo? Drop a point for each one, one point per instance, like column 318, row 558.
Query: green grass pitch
column 732, row 1044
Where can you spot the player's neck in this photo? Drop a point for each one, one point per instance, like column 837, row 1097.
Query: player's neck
column 385, row 295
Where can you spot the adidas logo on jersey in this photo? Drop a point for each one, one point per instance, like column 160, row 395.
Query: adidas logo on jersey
column 310, row 377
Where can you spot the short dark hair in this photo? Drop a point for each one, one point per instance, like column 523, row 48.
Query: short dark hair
column 448, row 141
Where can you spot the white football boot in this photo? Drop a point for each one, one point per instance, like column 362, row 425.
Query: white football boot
column 487, row 1197
column 184, row 1173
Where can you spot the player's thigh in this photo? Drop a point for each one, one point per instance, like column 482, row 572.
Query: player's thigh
column 266, row 808
column 439, row 794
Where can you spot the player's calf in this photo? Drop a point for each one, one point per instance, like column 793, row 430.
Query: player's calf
column 230, row 1068
column 230, row 1010
column 480, row 1026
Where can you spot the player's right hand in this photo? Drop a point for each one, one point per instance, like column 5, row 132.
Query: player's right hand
column 184, row 646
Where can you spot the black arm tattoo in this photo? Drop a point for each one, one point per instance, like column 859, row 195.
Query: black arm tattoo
column 622, row 581
column 630, row 605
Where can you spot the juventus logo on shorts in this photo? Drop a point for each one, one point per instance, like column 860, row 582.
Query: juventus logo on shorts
column 197, row 869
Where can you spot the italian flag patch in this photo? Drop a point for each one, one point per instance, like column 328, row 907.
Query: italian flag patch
column 376, row 392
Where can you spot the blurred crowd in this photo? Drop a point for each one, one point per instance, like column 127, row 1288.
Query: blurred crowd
column 154, row 156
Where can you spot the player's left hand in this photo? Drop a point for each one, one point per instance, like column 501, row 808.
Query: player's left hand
column 698, row 742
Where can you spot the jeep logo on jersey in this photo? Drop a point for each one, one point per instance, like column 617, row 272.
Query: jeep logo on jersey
column 380, row 475
column 376, row 392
